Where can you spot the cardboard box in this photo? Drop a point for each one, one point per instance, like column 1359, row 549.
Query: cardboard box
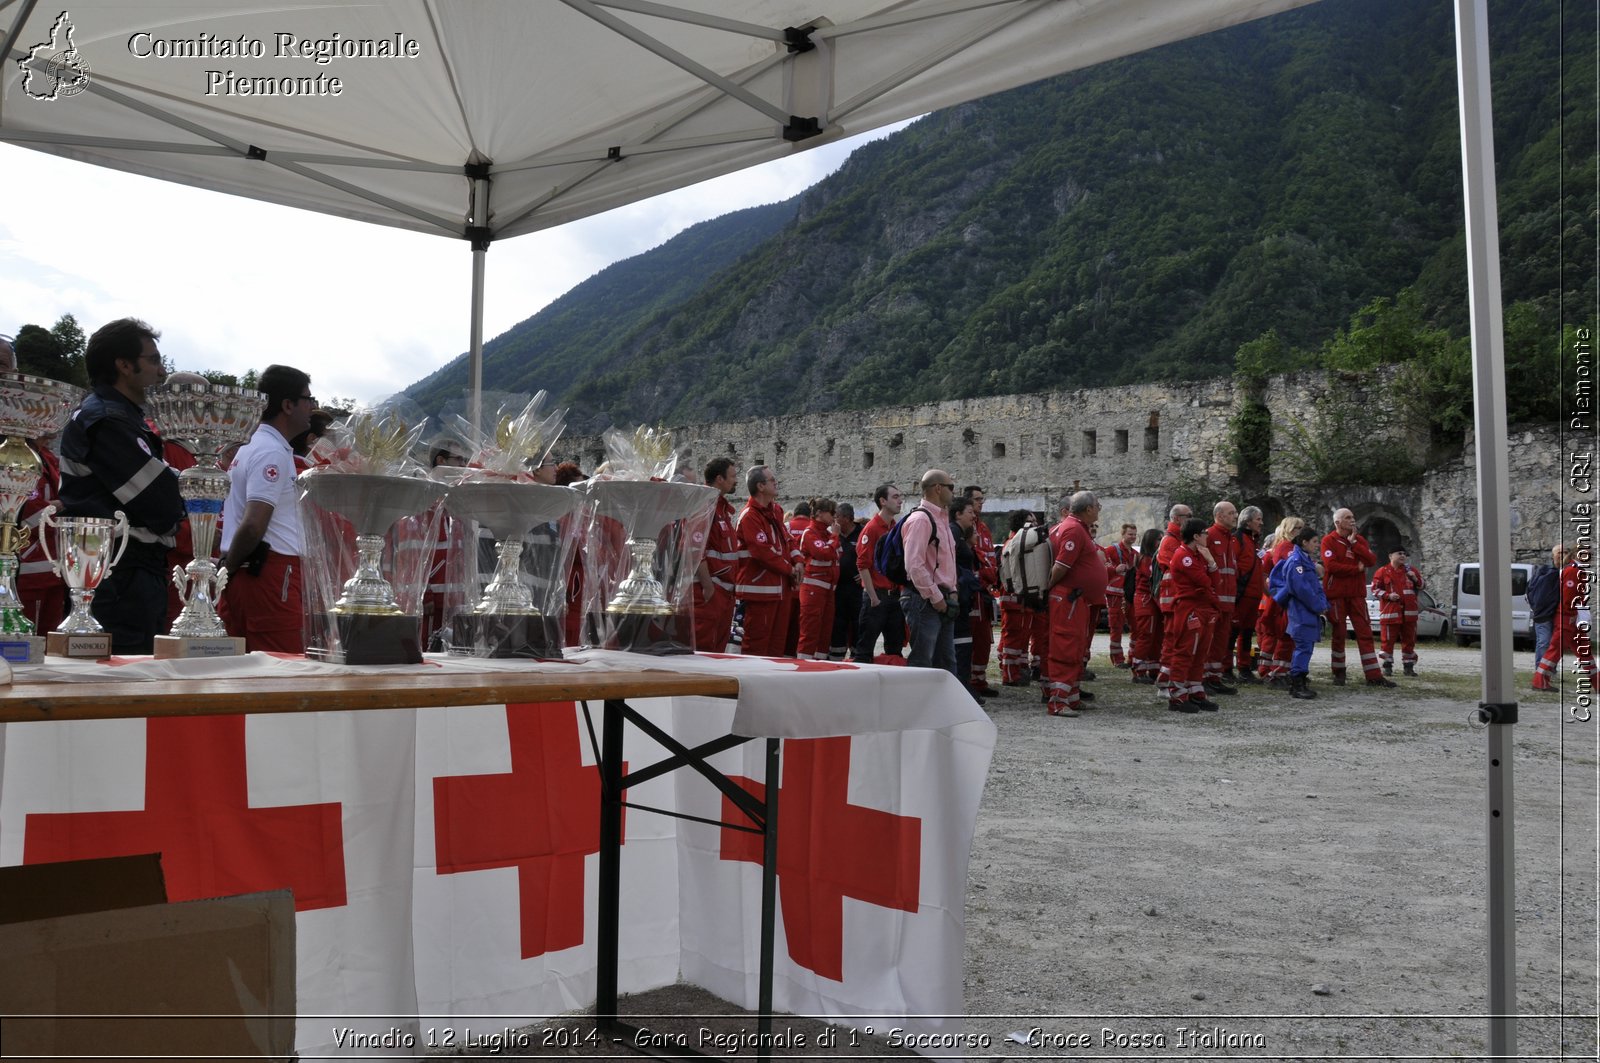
column 200, row 979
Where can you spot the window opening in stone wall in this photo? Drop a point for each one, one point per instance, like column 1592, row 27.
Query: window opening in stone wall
column 968, row 436
column 1152, row 434
column 866, row 459
column 998, row 450
column 1089, row 443
column 1122, row 441
column 758, row 461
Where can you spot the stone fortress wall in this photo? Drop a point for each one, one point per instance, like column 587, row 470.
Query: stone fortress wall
column 1131, row 445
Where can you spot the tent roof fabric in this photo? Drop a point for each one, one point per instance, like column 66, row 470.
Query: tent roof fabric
column 375, row 111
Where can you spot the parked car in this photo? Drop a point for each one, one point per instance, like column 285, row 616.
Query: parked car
column 1469, row 604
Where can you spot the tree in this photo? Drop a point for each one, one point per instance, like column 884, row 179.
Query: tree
column 39, row 353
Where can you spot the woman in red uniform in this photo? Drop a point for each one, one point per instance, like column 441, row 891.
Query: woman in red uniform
column 1147, row 630
column 1195, row 611
column 819, row 550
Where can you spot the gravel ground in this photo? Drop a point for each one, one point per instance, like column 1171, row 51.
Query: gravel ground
column 1282, row 880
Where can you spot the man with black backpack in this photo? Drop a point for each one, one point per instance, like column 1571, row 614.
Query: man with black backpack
column 921, row 542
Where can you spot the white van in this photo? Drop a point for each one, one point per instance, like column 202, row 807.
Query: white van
column 1469, row 604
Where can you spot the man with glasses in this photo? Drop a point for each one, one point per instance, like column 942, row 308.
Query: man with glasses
column 929, row 600
column 765, row 572
column 111, row 459
column 261, row 535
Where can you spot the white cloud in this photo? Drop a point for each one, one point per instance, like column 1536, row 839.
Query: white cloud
column 233, row 284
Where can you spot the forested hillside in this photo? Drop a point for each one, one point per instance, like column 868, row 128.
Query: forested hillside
column 1142, row 219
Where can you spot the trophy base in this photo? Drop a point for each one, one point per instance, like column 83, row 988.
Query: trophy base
column 367, row 638
column 658, row 636
column 491, row 635
column 61, row 644
column 22, row 649
column 178, row 647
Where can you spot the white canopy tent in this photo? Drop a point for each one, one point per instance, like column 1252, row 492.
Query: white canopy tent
column 484, row 119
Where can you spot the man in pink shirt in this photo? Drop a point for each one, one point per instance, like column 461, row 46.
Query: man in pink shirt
column 929, row 600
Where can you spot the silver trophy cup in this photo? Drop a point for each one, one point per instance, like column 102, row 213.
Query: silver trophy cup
column 83, row 558
column 645, row 508
column 206, row 419
column 31, row 407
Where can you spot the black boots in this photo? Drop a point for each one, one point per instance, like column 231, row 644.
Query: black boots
column 1300, row 687
column 1410, row 670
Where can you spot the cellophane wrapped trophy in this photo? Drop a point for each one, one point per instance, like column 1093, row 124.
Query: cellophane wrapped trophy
column 31, row 408
column 646, row 537
column 369, row 516
column 523, row 535
column 206, row 419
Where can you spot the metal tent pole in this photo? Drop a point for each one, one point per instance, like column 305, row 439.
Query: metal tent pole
column 479, row 232
column 1498, row 709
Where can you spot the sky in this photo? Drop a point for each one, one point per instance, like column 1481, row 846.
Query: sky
column 233, row 285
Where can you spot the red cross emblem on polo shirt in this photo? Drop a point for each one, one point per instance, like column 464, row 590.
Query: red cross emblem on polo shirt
column 828, row 849
column 542, row 818
column 197, row 816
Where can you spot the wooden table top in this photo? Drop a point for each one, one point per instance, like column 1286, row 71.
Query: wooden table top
column 26, row 702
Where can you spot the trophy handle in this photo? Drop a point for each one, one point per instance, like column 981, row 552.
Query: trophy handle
column 45, row 524
column 219, row 582
column 180, row 581
column 121, row 526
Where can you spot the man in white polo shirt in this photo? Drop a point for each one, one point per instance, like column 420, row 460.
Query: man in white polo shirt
column 261, row 536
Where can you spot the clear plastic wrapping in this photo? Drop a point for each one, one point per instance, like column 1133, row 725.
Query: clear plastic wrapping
column 645, row 538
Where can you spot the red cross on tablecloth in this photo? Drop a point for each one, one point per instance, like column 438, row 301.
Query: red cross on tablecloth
column 542, row 818
column 197, row 816
column 828, row 849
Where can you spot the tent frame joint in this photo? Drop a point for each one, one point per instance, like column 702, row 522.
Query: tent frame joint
column 256, row 154
column 476, row 171
column 798, row 39
column 480, row 235
column 801, row 128
column 1497, row 712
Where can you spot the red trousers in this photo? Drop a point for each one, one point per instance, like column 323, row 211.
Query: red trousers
column 265, row 610
column 44, row 601
column 790, row 622
column 1147, row 632
column 1069, row 646
column 1404, row 631
column 816, row 622
column 1016, row 624
column 1116, row 621
column 1563, row 640
column 713, row 621
column 1277, row 648
column 982, row 638
column 1354, row 608
column 1191, row 635
column 1219, row 654
column 1244, row 626
column 764, row 620
column 1039, row 640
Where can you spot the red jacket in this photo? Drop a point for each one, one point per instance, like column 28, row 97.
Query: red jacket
column 1169, row 545
column 1074, row 548
column 1280, row 550
column 1396, row 590
column 722, row 544
column 1225, row 552
column 820, row 549
column 796, row 527
column 1192, row 585
column 34, row 572
column 988, row 560
column 763, row 569
column 1119, row 553
column 1252, row 573
column 866, row 544
column 1574, row 596
column 1344, row 565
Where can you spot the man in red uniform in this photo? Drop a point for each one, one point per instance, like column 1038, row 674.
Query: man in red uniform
column 1077, row 578
column 1224, row 551
column 1395, row 585
column 765, row 569
column 989, row 577
column 1566, row 637
column 1345, row 560
column 713, row 602
column 1252, row 582
column 1196, row 610
column 797, row 525
column 1121, row 559
column 261, row 534
column 880, row 599
column 819, row 557
column 1170, row 542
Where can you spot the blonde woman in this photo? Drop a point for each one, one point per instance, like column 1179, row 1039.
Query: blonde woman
column 1271, row 621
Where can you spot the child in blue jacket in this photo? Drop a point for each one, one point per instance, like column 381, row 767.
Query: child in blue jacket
column 1295, row 585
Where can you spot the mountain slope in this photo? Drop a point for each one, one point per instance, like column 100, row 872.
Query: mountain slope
column 1138, row 220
